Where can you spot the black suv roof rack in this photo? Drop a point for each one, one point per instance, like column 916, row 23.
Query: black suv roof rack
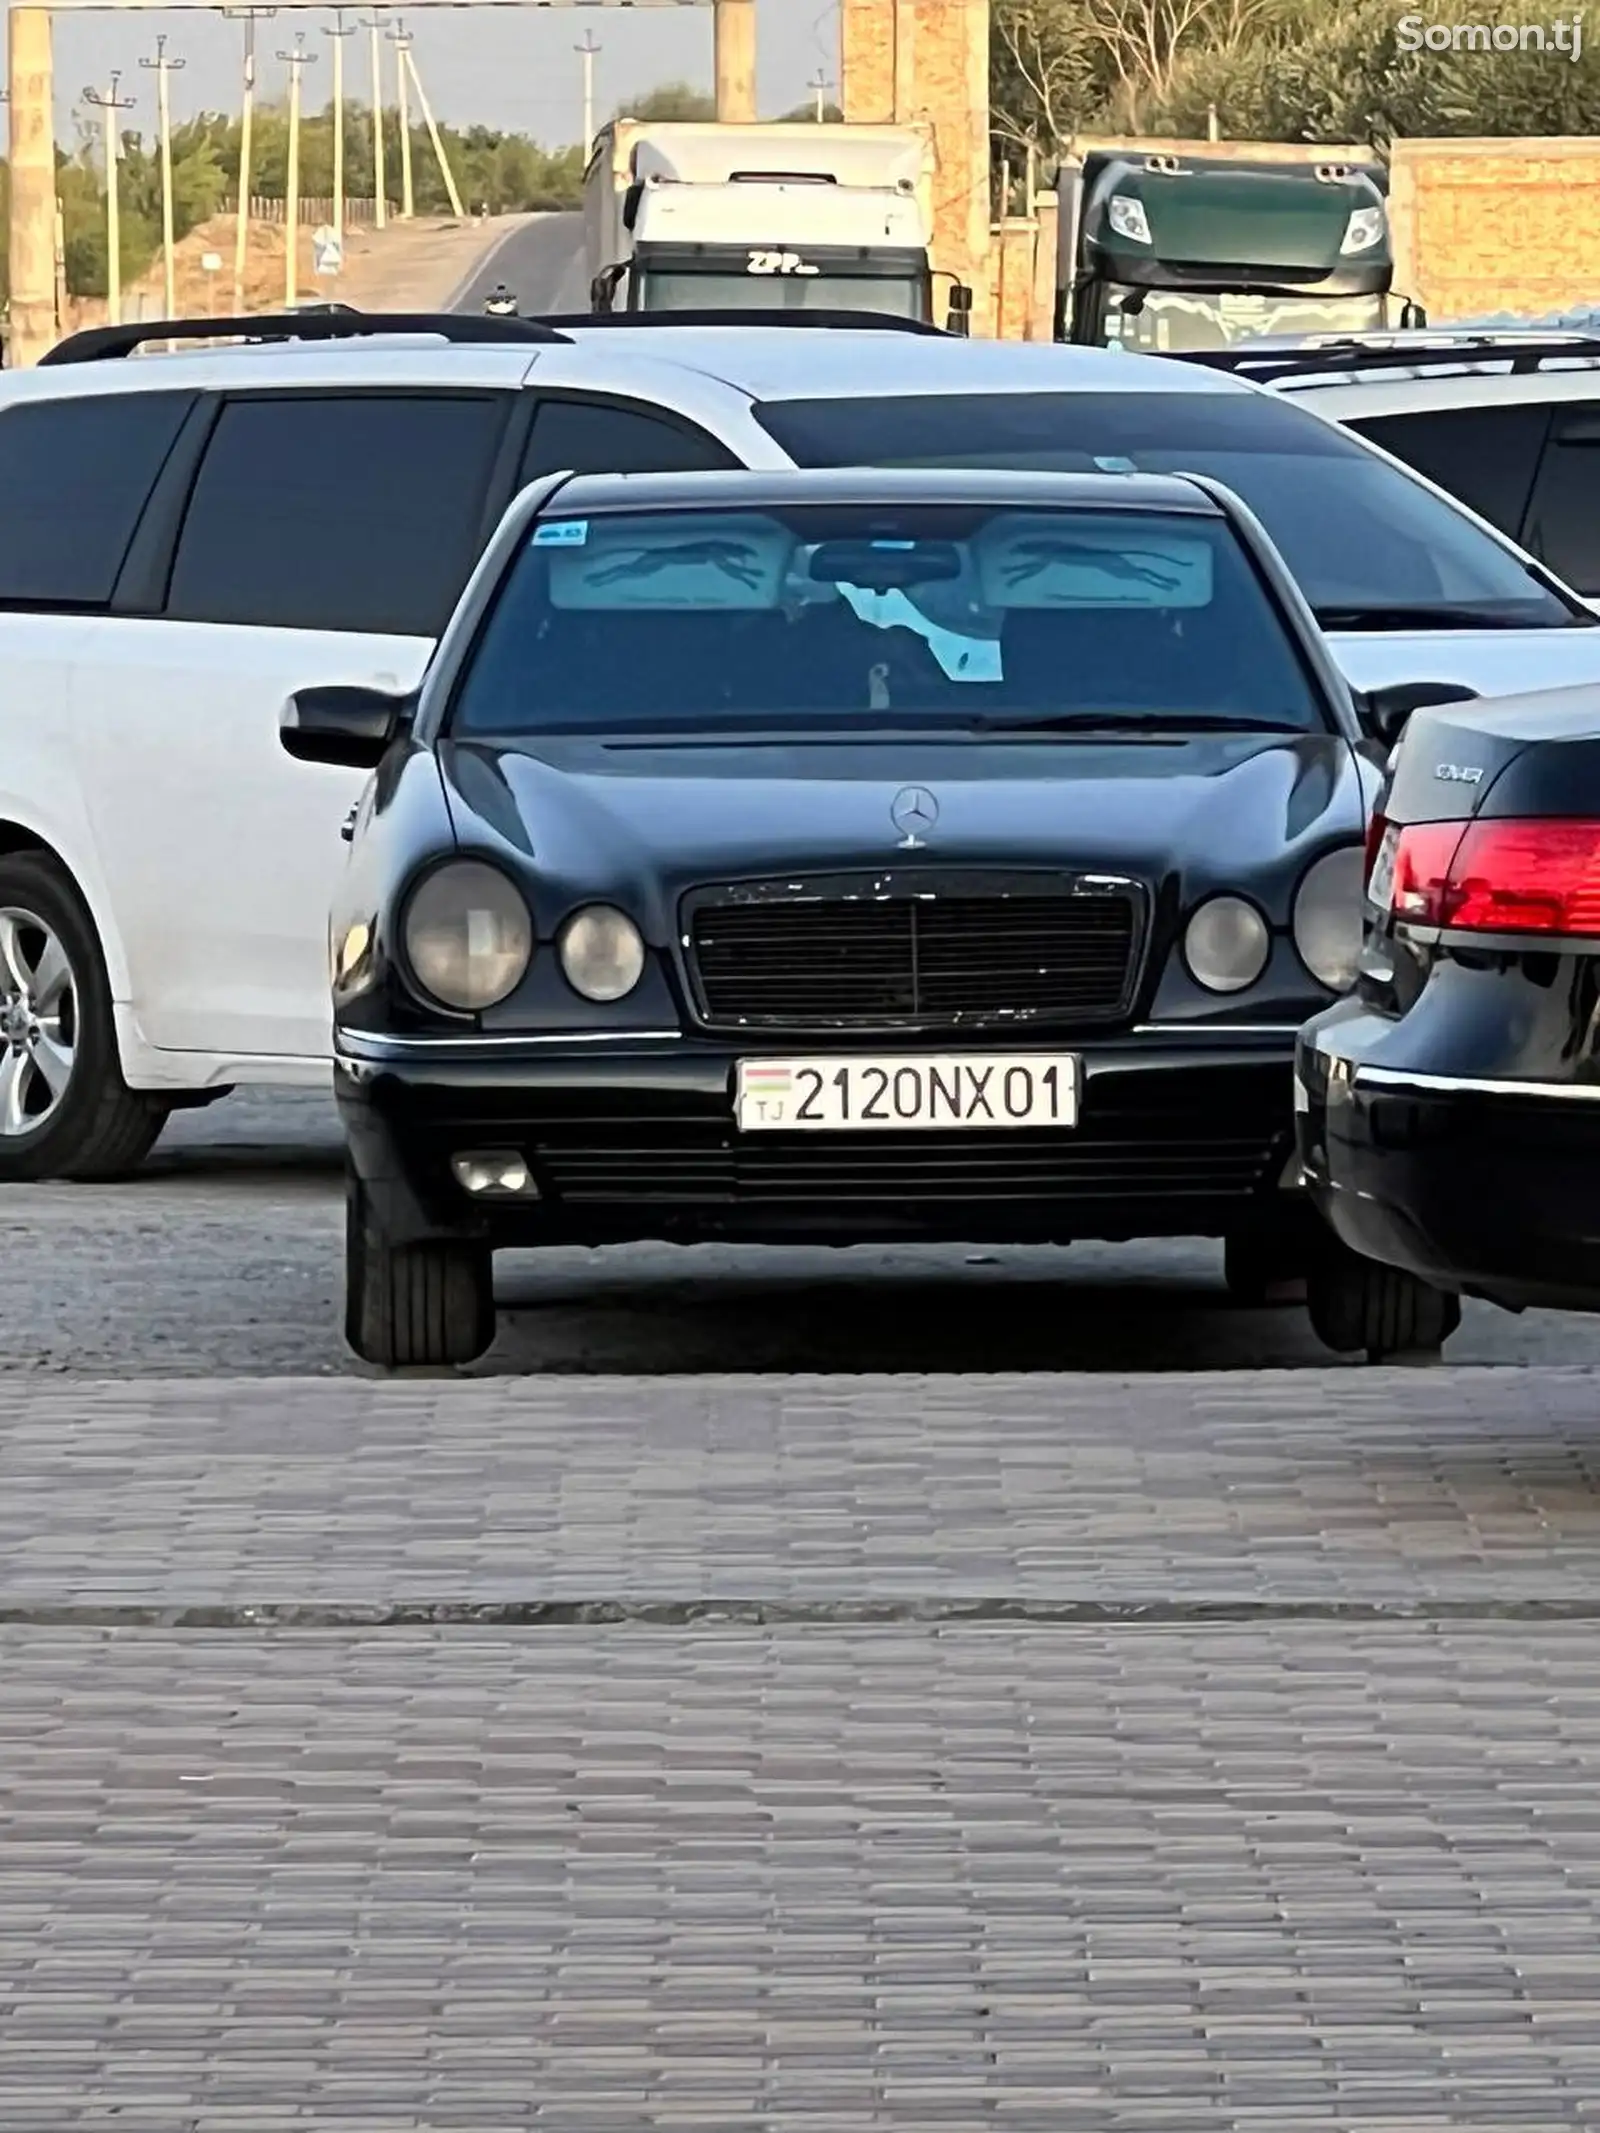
column 101, row 344
column 846, row 321
column 1524, row 352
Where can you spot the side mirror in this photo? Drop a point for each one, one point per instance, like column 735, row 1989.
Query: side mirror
column 1412, row 316
column 603, row 289
column 630, row 203
column 958, row 318
column 1385, row 712
column 346, row 726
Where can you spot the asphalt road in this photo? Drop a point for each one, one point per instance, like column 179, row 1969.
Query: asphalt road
column 541, row 262
column 225, row 1257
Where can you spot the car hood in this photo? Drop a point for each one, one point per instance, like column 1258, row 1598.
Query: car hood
column 1491, row 662
column 639, row 823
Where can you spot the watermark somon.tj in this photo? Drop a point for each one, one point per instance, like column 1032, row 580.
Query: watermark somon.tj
column 1563, row 34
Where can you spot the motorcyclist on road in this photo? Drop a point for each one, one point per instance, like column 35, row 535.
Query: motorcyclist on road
column 500, row 302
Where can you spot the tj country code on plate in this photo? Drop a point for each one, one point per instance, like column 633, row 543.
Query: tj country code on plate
column 977, row 1090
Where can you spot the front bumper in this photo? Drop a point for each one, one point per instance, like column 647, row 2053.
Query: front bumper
column 1181, row 1133
column 1483, row 1186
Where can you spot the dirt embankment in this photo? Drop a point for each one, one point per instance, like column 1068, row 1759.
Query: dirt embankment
column 409, row 266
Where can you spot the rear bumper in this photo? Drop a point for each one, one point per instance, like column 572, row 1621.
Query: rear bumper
column 1480, row 1185
column 1179, row 1136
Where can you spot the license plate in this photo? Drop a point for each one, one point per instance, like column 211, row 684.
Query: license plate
column 980, row 1090
column 1380, row 884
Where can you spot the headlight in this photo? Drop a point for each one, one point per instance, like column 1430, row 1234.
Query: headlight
column 1128, row 218
column 602, row 953
column 1226, row 944
column 467, row 935
column 1363, row 230
column 1329, row 918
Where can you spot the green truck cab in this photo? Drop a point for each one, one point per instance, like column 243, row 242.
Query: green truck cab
column 1161, row 252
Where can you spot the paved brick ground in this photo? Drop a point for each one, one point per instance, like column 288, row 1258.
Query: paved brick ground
column 1077, row 1879
column 1363, row 1486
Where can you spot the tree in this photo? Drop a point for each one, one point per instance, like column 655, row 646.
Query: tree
column 672, row 100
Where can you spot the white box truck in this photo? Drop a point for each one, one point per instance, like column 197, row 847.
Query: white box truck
column 788, row 216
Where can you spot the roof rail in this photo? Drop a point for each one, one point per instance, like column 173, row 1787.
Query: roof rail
column 1524, row 352
column 845, row 321
column 101, row 344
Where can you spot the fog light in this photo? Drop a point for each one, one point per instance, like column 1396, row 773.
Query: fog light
column 494, row 1172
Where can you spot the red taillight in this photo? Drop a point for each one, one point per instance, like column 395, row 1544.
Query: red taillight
column 1499, row 877
column 1375, row 830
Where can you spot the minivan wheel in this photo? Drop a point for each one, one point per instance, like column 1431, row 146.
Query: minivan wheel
column 65, row 1110
column 411, row 1306
column 1358, row 1307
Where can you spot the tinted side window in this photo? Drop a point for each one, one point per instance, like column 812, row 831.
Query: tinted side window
column 1563, row 526
column 591, row 437
column 1487, row 456
column 74, row 476
column 358, row 512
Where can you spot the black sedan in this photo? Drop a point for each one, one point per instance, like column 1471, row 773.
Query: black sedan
column 838, row 857
column 1450, row 1105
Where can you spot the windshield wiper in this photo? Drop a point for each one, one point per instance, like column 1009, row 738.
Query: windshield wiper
column 1138, row 722
column 1420, row 618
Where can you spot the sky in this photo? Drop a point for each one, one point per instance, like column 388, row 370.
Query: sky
column 498, row 66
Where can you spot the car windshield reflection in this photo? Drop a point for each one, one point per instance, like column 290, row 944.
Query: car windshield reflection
column 976, row 618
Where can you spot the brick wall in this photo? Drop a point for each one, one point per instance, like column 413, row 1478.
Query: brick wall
column 1497, row 225
column 929, row 59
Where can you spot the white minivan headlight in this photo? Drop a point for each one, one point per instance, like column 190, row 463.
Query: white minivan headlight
column 1330, row 918
column 1226, row 944
column 602, row 953
column 468, row 936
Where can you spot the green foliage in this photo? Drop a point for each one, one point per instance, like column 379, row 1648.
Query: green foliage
column 1276, row 70
column 673, row 100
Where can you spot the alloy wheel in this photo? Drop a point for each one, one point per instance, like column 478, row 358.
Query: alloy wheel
column 38, row 1022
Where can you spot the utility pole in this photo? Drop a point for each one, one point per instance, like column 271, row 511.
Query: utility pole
column 338, row 33
column 586, row 51
column 380, row 183
column 296, row 61
column 249, row 16
column 33, row 187
column 821, row 84
column 402, row 40
column 161, row 66
column 445, row 171
column 108, row 106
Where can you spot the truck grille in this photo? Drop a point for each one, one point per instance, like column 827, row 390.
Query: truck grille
column 830, row 956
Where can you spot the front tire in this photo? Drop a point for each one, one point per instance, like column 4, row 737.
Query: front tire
column 1358, row 1307
column 65, row 1110
column 414, row 1306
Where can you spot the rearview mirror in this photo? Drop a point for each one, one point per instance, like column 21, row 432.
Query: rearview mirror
column 1385, row 712
column 346, row 726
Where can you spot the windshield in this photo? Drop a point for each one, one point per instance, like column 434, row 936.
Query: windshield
column 967, row 617
column 673, row 289
column 1176, row 318
column 1363, row 538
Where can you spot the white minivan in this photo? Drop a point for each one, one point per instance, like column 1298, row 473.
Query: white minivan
column 187, row 538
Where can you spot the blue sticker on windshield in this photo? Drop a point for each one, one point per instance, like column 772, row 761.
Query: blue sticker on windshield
column 1116, row 466
column 562, row 533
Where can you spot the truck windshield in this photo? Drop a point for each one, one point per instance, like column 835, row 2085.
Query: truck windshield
column 1366, row 541
column 974, row 618
column 1175, row 318
column 694, row 289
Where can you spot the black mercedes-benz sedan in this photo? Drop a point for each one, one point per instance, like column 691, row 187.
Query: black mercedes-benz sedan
column 838, row 857
column 1449, row 1106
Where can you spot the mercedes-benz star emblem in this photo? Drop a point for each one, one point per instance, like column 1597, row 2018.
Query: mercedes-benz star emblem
column 914, row 810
